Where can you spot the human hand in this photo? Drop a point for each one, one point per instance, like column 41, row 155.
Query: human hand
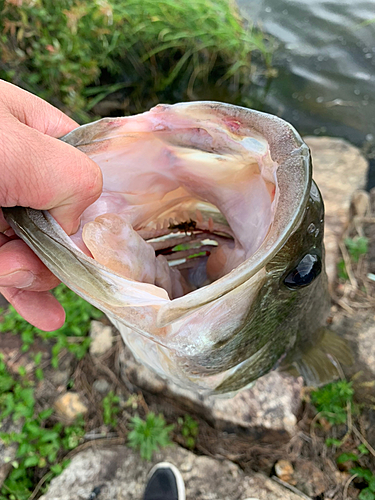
column 40, row 172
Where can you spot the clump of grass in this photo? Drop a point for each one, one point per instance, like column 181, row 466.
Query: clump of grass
column 149, row 435
column 73, row 334
column 77, row 53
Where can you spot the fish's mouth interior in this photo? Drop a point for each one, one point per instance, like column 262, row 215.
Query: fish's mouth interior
column 182, row 205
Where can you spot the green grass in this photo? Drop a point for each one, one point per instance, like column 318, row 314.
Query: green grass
column 73, row 336
column 39, row 441
column 77, row 53
column 334, row 401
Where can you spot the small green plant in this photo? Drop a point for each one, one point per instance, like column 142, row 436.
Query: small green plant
column 149, row 435
column 341, row 270
column 332, row 401
column 189, row 430
column 73, row 334
column 367, row 493
column 39, row 443
column 356, row 247
column 111, row 409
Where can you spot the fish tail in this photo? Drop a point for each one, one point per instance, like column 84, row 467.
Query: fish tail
column 321, row 363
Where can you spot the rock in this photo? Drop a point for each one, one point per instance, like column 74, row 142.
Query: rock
column 8, row 452
column 69, row 406
column 338, row 169
column 121, row 474
column 102, row 386
column 267, row 411
column 284, row 470
column 309, row 478
column 102, row 338
column 370, row 233
column 359, row 330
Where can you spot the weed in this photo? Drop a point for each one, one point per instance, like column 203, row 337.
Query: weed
column 38, row 442
column 356, row 247
column 341, row 270
column 189, row 430
column 73, row 334
column 110, row 409
column 332, row 400
column 367, row 493
column 149, row 435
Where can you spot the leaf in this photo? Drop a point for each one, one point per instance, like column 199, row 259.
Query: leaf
column 366, row 494
column 371, row 484
column 365, row 473
column 31, row 461
column 346, row 457
column 44, row 414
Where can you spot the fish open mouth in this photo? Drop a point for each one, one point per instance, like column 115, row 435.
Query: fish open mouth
column 194, row 194
column 186, row 197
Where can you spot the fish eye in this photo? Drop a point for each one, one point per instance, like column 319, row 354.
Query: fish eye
column 308, row 268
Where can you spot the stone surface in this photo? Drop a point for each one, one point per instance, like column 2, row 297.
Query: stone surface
column 102, row 338
column 284, row 470
column 8, row 453
column 102, row 386
column 270, row 405
column 309, row 478
column 122, row 476
column 359, row 330
column 69, row 406
column 338, row 169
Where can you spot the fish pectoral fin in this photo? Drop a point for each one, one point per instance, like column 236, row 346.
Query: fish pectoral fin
column 321, row 363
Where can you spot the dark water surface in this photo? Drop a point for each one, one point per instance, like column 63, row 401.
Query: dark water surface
column 326, row 64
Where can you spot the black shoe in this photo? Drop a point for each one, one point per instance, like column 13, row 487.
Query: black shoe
column 164, row 483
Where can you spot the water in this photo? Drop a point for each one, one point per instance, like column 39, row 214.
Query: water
column 326, row 64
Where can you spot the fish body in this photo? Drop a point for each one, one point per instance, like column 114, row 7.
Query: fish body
column 206, row 247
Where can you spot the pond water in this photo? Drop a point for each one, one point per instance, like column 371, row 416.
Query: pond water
column 326, row 65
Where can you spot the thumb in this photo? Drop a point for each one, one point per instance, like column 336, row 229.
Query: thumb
column 38, row 170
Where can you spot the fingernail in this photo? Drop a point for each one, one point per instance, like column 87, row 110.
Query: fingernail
column 18, row 279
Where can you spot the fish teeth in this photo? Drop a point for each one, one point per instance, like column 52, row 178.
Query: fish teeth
column 165, row 224
column 199, row 216
column 210, row 224
column 158, row 226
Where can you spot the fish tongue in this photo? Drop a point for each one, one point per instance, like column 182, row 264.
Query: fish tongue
column 114, row 243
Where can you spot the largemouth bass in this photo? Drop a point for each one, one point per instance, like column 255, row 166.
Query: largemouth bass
column 205, row 248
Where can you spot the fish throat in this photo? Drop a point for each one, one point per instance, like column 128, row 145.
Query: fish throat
column 186, row 199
